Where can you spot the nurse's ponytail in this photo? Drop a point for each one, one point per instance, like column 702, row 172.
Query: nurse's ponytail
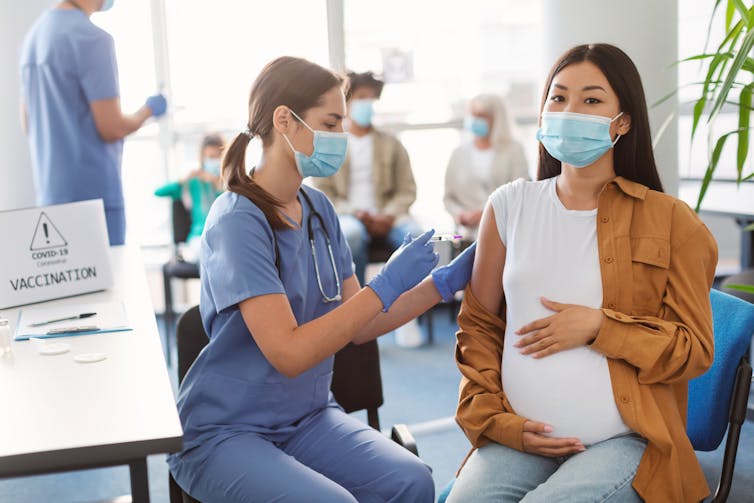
column 237, row 180
column 291, row 82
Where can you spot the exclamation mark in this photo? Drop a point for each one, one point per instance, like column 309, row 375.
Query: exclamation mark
column 47, row 235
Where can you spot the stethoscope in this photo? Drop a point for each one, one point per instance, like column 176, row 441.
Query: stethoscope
column 310, row 231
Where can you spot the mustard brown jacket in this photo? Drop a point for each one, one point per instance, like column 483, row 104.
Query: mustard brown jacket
column 657, row 261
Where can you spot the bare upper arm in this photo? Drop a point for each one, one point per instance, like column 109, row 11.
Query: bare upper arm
column 270, row 319
column 487, row 275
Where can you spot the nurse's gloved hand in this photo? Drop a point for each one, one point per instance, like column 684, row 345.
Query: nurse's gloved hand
column 407, row 266
column 157, row 104
column 456, row 275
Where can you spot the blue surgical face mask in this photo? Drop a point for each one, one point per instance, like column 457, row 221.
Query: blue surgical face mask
column 362, row 112
column 479, row 127
column 211, row 165
column 107, row 5
column 576, row 139
column 329, row 153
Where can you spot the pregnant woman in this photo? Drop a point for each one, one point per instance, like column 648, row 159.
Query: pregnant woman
column 588, row 310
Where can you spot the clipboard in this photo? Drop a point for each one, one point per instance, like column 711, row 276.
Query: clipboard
column 109, row 317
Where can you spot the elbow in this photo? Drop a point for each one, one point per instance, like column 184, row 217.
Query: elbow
column 111, row 135
column 111, row 131
column 287, row 365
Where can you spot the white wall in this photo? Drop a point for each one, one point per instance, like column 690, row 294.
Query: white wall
column 16, row 183
column 647, row 30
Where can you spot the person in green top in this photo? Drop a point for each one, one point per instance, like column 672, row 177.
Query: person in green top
column 198, row 190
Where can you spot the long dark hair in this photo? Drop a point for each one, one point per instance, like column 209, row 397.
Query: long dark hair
column 633, row 156
column 293, row 82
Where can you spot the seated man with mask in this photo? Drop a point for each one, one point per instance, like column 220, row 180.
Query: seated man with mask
column 373, row 190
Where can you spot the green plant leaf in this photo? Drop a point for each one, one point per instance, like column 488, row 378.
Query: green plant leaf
column 748, row 177
column 746, row 46
column 731, row 36
column 742, row 10
column 741, row 288
column 711, row 166
column 749, row 227
column 744, row 111
column 698, row 57
column 675, row 91
column 698, row 109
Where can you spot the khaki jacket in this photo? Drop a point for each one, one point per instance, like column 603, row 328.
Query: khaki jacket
column 394, row 186
column 657, row 260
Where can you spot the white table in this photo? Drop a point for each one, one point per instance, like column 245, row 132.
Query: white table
column 59, row 415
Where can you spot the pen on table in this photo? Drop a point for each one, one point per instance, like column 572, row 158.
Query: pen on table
column 445, row 237
column 73, row 330
column 74, row 317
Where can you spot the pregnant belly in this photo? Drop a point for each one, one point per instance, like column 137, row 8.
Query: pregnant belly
column 570, row 391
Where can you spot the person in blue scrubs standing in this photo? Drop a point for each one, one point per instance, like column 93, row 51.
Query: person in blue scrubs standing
column 279, row 298
column 71, row 110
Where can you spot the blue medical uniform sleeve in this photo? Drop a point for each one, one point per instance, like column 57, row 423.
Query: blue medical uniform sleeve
column 97, row 66
column 239, row 259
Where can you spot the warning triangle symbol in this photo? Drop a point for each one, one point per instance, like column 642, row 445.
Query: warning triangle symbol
column 46, row 235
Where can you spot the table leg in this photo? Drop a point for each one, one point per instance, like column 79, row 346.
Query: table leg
column 139, row 481
column 168, row 318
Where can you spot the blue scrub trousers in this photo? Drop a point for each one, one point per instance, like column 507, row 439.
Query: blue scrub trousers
column 116, row 225
column 330, row 457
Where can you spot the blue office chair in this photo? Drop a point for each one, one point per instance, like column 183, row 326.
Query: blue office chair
column 718, row 398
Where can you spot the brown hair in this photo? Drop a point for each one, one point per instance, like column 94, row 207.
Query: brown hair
column 292, row 82
column 366, row 79
column 633, row 158
column 210, row 140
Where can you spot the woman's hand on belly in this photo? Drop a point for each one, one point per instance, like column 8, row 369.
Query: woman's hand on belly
column 536, row 443
column 570, row 327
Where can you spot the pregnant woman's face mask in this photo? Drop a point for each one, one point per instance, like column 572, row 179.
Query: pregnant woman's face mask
column 576, row 139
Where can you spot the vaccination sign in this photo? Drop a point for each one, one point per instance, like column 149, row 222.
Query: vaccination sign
column 53, row 251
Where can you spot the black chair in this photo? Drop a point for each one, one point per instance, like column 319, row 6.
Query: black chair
column 356, row 384
column 176, row 267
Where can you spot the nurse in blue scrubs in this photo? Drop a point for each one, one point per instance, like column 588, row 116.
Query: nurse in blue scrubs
column 278, row 300
column 71, row 110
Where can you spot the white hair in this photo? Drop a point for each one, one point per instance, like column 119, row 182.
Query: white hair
column 504, row 130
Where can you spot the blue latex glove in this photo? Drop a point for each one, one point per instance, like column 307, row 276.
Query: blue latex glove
column 456, row 275
column 157, row 104
column 407, row 266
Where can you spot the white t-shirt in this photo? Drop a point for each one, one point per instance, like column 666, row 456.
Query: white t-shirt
column 552, row 252
column 360, row 183
column 481, row 165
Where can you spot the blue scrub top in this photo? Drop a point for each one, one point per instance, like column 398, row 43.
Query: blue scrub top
column 66, row 63
column 231, row 387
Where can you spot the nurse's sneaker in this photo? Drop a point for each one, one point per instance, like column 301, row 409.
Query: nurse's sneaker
column 409, row 335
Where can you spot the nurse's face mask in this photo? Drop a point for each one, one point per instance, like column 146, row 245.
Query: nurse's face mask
column 576, row 139
column 329, row 152
column 107, row 5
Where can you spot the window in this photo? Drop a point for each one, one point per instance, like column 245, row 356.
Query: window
column 434, row 57
column 216, row 49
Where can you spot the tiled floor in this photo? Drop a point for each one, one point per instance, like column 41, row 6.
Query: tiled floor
column 420, row 388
